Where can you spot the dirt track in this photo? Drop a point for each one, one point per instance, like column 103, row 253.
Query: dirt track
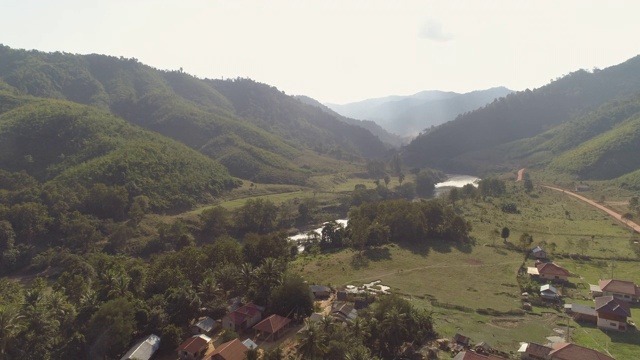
column 520, row 174
column 617, row 216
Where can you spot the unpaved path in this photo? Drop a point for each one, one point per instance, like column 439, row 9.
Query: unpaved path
column 520, row 174
column 614, row 214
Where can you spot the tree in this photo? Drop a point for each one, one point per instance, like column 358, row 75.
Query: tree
column 525, row 241
column 291, row 297
column 311, row 341
column 633, row 203
column 138, row 209
column 505, row 233
column 111, row 327
column 583, row 245
column 376, row 168
column 425, row 183
column 214, row 222
column 528, row 185
column 454, row 195
column 11, row 324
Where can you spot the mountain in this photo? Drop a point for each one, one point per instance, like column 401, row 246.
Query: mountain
column 253, row 129
column 476, row 141
column 63, row 143
column 385, row 136
column 410, row 115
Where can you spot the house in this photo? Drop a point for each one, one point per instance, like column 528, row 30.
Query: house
column 344, row 312
column 242, row 318
column 461, row 339
column 553, row 272
column 342, row 296
column 320, row 291
column 231, row 350
column 568, row 351
column 533, row 351
column 205, row 325
column 194, row 347
column 582, row 313
column 144, row 349
column 538, row 253
column 623, row 290
column 271, row 328
column 549, row 292
column 612, row 313
column 469, row 355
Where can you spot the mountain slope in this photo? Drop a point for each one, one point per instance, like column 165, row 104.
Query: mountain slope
column 410, row 115
column 192, row 111
column 65, row 143
column 471, row 142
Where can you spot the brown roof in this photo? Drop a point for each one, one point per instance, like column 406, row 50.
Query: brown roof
column 469, row 355
column 552, row 269
column 538, row 350
column 272, row 324
column 567, row 351
column 240, row 314
column 193, row 344
column 231, row 350
column 619, row 287
column 612, row 305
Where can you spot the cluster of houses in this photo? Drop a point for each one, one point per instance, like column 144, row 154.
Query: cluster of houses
column 612, row 297
column 245, row 319
column 527, row 351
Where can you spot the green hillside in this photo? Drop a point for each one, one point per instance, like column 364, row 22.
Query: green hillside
column 65, row 143
column 268, row 129
column 471, row 142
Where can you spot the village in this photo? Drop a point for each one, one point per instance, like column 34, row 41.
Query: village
column 612, row 300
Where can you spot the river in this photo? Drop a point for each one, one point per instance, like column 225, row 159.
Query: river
column 457, row 181
column 300, row 237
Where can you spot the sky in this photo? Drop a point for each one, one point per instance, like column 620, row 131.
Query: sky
column 340, row 51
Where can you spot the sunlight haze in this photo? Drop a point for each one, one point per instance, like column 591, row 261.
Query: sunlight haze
column 340, row 51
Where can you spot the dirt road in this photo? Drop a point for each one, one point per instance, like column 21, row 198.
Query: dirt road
column 520, row 174
column 617, row 216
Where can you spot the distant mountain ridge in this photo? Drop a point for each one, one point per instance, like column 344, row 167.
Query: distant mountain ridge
column 410, row 115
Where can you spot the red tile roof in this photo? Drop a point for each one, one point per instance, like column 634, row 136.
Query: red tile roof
column 240, row 314
column 468, row 355
column 193, row 344
column 272, row 324
column 619, row 287
column 567, row 351
column 612, row 305
column 232, row 350
column 552, row 269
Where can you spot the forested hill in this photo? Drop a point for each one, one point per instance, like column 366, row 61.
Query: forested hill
column 471, row 142
column 256, row 134
column 374, row 128
column 74, row 147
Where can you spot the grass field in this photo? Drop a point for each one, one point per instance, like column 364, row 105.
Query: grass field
column 454, row 283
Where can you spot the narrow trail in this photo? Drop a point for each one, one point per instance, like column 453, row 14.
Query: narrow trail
column 520, row 174
column 439, row 265
column 614, row 214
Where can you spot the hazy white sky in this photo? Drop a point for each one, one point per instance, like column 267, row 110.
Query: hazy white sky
column 340, row 51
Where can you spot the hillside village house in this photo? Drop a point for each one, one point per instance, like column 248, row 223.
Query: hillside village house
column 320, row 291
column 242, row 318
column 194, row 347
column 533, row 351
column 568, row 351
column 538, row 253
column 205, row 325
column 549, row 271
column 623, row 290
column 612, row 313
column 271, row 328
column 231, row 350
column 549, row 292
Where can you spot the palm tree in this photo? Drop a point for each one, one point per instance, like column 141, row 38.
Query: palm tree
column 11, row 324
column 208, row 290
column 311, row 341
column 360, row 353
column 119, row 286
column 395, row 330
column 358, row 328
column 247, row 275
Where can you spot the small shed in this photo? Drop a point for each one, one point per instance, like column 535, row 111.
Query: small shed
column 204, row 325
column 342, row 296
column 320, row 291
column 581, row 312
column 144, row 349
column 549, row 292
column 538, row 253
column 461, row 339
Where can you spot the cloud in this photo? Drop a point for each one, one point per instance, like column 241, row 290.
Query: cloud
column 432, row 30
